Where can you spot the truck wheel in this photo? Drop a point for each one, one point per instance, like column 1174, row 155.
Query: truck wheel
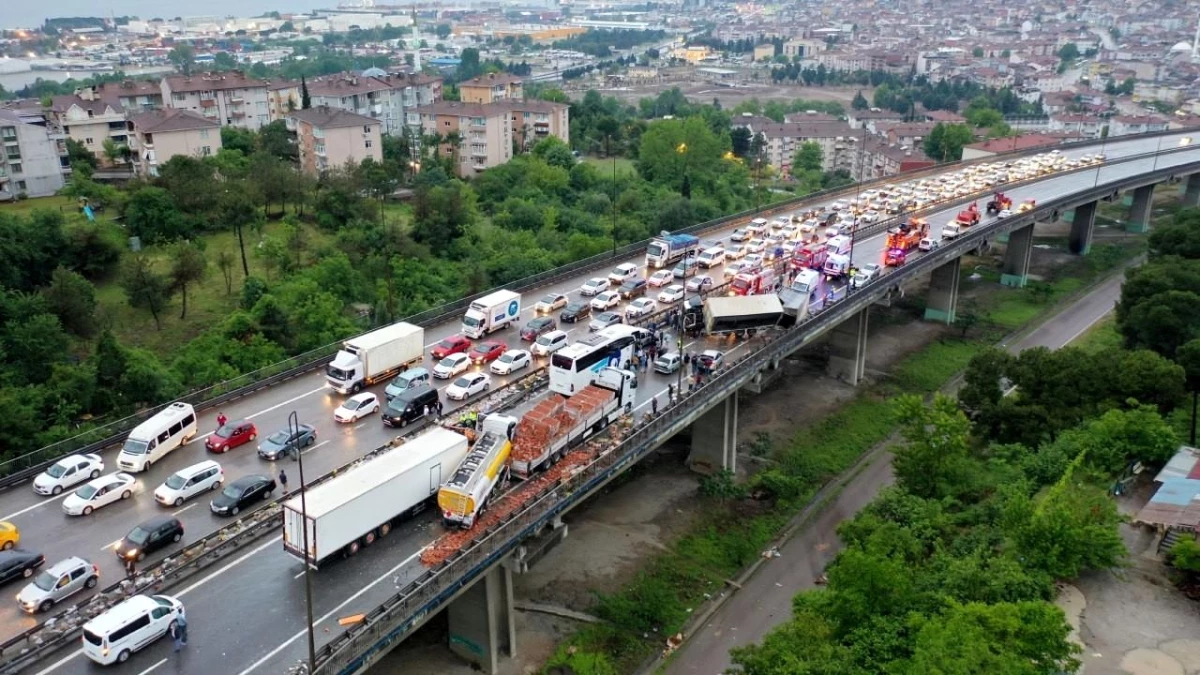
column 352, row 549
column 356, row 388
column 384, row 530
column 368, row 539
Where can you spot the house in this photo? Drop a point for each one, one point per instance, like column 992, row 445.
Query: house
column 480, row 135
column 380, row 96
column 331, row 137
column 89, row 117
column 491, row 88
column 283, row 96
column 33, row 156
column 534, row 120
column 230, row 99
column 157, row 136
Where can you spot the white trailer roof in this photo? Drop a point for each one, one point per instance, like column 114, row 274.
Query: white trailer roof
column 382, row 336
column 375, row 472
column 746, row 305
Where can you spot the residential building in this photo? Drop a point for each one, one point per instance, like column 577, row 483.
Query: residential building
column 90, row 117
column 997, row 146
column 481, row 134
column 157, row 136
column 491, row 88
column 230, row 98
column 133, row 95
column 330, row 137
column 33, row 157
column 283, row 96
column 838, row 143
column 881, row 158
column 534, row 120
column 1123, row 125
column 1088, row 126
column 380, row 96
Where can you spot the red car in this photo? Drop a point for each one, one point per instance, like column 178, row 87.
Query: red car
column 230, row 436
column 451, row 345
column 486, row 352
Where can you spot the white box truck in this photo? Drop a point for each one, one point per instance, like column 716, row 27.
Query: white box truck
column 354, row 509
column 375, row 357
column 491, row 313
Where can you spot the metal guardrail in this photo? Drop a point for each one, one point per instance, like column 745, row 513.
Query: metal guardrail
column 352, row 651
column 20, row 469
column 52, row 634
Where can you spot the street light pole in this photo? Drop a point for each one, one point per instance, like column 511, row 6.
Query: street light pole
column 608, row 145
column 293, row 430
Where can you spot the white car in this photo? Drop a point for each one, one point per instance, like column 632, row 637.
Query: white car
column 640, row 307
column 550, row 302
column 66, row 472
column 839, row 205
column 468, row 385
column 752, row 260
column 735, row 268
column 1004, row 213
column 99, row 492
column 671, row 294
column 660, row 278
column 736, row 252
column 451, row 366
column 700, row 282
column 606, row 300
column 622, row 273
column 594, row 286
column 511, row 361
column 865, row 275
column 549, row 343
column 189, row 482
column 739, row 234
column 356, row 407
column 756, row 246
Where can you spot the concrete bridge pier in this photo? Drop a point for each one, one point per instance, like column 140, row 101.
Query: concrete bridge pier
column 1139, row 211
column 943, row 292
column 714, row 438
column 481, row 620
column 1083, row 228
column 1016, row 259
column 1191, row 190
column 848, row 348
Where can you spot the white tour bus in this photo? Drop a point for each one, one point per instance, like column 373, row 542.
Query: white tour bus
column 575, row 366
column 171, row 427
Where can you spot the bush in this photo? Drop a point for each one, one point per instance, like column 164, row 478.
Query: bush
column 1185, row 555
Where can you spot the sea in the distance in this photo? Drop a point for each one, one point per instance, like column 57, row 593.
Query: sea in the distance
column 17, row 81
column 21, row 14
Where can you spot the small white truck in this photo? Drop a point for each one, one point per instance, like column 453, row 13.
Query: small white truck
column 359, row 506
column 491, row 313
column 375, row 357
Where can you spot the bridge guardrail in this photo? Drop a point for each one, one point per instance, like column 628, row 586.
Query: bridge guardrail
column 20, row 469
column 52, row 634
column 395, row 617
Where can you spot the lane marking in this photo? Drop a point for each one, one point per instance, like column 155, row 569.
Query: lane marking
column 205, row 580
column 112, row 545
column 314, row 447
column 44, row 502
column 152, row 667
column 290, row 400
column 331, row 613
column 184, row 509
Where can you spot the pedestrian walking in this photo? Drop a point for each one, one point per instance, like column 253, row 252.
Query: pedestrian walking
column 179, row 632
column 130, row 568
column 221, row 420
column 687, row 358
column 283, row 481
column 439, row 407
column 654, row 404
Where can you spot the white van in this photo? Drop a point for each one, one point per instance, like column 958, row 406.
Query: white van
column 172, row 427
column 130, row 626
column 712, row 257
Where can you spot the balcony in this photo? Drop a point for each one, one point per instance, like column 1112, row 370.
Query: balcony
column 208, row 103
column 236, row 99
column 319, row 151
column 237, row 114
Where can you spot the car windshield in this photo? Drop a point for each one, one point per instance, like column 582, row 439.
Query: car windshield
column 544, row 340
column 138, row 536
column 352, row 404
column 176, row 481
column 462, row 382
column 86, row 492
column 133, row 447
column 278, row 438
column 225, row 431
column 507, row 358
column 233, row 492
column 549, row 299
column 45, row 581
column 56, row 470
column 448, row 362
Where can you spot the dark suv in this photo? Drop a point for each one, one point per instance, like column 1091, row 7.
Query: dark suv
column 575, row 312
column 148, row 537
column 633, row 288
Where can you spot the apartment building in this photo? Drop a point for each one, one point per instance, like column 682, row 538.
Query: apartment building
column 90, row 117
column 230, row 98
column 1123, row 125
column 484, row 132
column 492, row 88
column 330, row 137
column 283, row 96
column 33, row 157
column 534, row 120
column 1087, row 126
column 157, row 136
column 784, row 140
column 376, row 94
column 133, row 95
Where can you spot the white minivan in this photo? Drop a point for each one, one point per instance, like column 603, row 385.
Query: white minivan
column 132, row 625
column 189, row 482
column 712, row 257
column 170, row 428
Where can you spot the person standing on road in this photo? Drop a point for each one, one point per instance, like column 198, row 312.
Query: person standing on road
column 439, row 407
column 130, row 569
column 221, row 420
column 179, row 632
column 283, row 481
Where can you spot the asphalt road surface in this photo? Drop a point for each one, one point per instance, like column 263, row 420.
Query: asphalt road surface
column 766, row 601
column 248, row 615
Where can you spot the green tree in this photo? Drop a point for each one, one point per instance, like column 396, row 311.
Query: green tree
column 305, row 99
column 935, row 443
column 945, row 141
column 72, row 299
column 859, row 102
column 276, row 140
column 145, row 287
column 1024, row 638
column 673, row 149
column 977, row 52
column 242, row 140
column 442, row 213
column 1069, row 530
column 152, row 215
column 1188, row 357
column 78, row 154
column 183, row 57
column 236, row 210
column 40, row 341
column 809, row 157
column 1180, row 236
column 188, row 267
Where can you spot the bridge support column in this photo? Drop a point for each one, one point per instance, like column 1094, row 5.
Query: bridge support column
column 1191, row 190
column 1139, row 212
column 1083, row 227
column 848, row 348
column 481, row 620
column 1016, row 259
column 714, row 438
column 943, row 292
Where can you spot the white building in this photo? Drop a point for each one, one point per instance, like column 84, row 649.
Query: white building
column 33, row 158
